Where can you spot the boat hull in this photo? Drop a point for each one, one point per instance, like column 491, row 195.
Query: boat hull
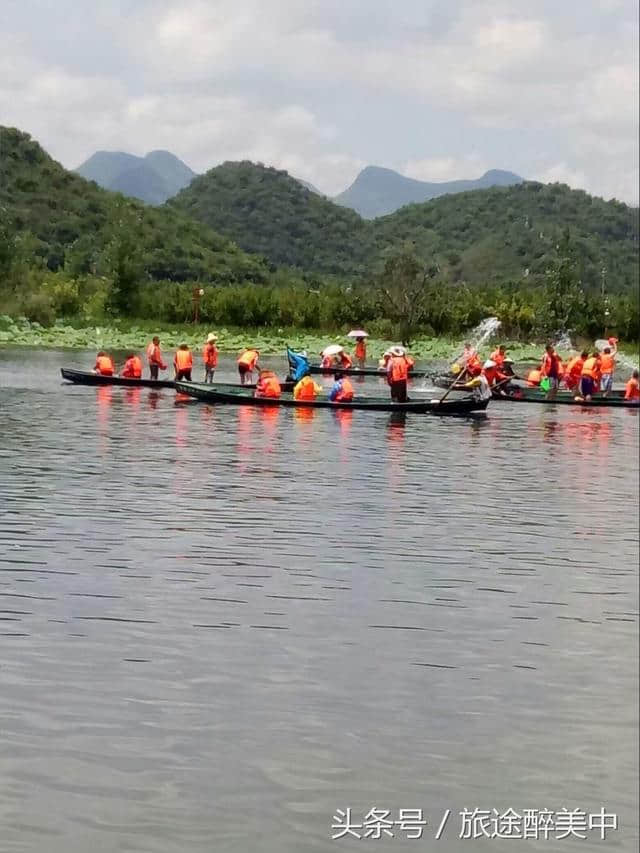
column 87, row 377
column 614, row 400
column 240, row 397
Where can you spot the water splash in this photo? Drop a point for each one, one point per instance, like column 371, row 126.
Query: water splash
column 563, row 342
column 484, row 330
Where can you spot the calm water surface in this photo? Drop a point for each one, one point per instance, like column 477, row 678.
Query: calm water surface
column 218, row 626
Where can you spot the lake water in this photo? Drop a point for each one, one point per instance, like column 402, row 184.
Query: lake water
column 219, row 626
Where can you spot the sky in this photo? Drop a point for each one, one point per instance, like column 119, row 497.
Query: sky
column 436, row 89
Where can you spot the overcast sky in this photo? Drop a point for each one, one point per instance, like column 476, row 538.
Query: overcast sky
column 436, row 89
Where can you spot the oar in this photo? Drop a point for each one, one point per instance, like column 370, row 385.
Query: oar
column 450, row 388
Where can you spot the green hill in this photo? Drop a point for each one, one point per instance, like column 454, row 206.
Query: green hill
column 268, row 212
column 481, row 236
column 74, row 223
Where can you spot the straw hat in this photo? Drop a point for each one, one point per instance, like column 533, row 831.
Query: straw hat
column 489, row 363
column 211, row 338
column 397, row 350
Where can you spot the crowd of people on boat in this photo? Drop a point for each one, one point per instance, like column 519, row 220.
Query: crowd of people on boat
column 584, row 374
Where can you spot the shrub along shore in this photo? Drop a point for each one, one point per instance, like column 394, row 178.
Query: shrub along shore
column 135, row 335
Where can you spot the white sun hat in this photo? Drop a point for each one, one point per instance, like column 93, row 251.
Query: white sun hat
column 211, row 337
column 489, row 363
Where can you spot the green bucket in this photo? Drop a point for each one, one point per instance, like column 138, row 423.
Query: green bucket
column 545, row 385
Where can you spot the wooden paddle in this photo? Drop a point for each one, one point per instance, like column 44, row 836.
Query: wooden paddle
column 450, row 388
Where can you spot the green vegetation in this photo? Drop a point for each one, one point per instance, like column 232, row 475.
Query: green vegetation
column 72, row 252
column 496, row 235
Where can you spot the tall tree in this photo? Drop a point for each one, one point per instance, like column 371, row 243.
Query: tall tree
column 403, row 287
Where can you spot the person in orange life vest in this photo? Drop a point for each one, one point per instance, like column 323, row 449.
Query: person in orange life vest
column 210, row 357
column 132, row 367
column 104, row 364
column 550, row 370
column 590, row 376
column 361, row 352
column 469, row 352
column 398, row 374
column 154, row 358
column 247, row 362
column 493, row 374
column 306, row 389
column 533, row 377
column 183, row 363
column 607, row 367
column 632, row 388
column 499, row 355
column 474, row 365
column 341, row 390
column 573, row 370
column 267, row 385
column 345, row 360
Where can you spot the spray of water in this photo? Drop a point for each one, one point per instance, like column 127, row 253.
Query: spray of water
column 484, row 330
column 563, row 342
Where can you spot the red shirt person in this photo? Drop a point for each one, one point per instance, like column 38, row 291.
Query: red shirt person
column 132, row 367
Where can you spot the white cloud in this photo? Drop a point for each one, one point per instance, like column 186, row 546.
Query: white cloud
column 228, row 79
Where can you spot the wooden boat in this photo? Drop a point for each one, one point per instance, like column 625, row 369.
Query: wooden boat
column 567, row 398
column 239, row 396
column 317, row 369
column 528, row 394
column 87, row 377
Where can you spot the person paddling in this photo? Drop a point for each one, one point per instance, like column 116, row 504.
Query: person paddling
column 154, row 358
column 247, row 363
column 132, row 367
column 104, row 364
column 210, row 357
column 183, row 363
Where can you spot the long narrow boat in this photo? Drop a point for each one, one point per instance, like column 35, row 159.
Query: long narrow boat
column 567, row 398
column 526, row 394
column 87, row 377
column 317, row 369
column 239, row 396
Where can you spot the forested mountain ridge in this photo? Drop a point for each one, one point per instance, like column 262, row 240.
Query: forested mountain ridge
column 481, row 236
column 72, row 223
column 265, row 210
column 377, row 191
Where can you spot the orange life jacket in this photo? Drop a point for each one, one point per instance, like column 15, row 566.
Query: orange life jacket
column 154, row 355
column 183, row 359
column 498, row 357
column 132, row 368
column 551, row 365
column 361, row 350
column 346, row 392
column 210, row 355
column 474, row 365
column 534, row 377
column 574, row 367
column 104, row 365
column 268, row 386
column 305, row 389
column 591, row 368
column 345, row 360
column 632, row 390
column 398, row 370
column 493, row 375
column 607, row 363
column 249, row 358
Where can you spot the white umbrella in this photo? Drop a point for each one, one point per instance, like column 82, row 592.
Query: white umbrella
column 332, row 349
column 358, row 333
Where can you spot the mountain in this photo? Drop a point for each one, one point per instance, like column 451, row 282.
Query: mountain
column 152, row 179
column 377, row 192
column 480, row 236
column 63, row 220
column 266, row 211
